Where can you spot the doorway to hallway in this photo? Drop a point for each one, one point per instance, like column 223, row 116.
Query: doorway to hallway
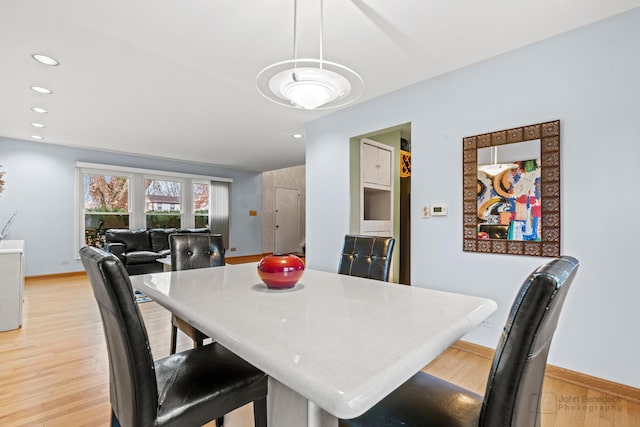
column 286, row 220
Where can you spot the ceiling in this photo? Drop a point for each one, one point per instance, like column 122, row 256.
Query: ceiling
column 176, row 79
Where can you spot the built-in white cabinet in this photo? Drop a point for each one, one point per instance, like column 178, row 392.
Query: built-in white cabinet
column 376, row 164
column 11, row 283
column 376, row 188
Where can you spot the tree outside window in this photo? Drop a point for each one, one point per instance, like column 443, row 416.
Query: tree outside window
column 201, row 204
column 106, row 205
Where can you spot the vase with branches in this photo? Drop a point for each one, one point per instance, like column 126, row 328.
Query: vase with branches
column 5, row 230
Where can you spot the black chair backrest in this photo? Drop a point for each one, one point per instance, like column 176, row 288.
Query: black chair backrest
column 194, row 250
column 514, row 388
column 132, row 379
column 366, row 256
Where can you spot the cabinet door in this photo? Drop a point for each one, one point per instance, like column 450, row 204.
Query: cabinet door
column 11, row 287
column 376, row 165
column 369, row 164
column 384, row 169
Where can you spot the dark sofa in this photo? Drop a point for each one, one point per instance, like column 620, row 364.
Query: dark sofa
column 140, row 249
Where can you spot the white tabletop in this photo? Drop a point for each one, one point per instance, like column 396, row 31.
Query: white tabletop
column 341, row 342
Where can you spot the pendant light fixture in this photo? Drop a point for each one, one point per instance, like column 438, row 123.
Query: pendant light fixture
column 495, row 168
column 310, row 84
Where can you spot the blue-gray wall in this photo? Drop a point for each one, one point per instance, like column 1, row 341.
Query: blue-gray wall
column 590, row 80
column 40, row 186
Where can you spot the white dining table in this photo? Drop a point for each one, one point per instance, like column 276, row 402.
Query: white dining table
column 333, row 346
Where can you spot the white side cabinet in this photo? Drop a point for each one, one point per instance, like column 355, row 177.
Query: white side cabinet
column 11, row 283
column 376, row 188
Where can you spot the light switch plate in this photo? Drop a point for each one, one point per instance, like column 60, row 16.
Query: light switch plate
column 425, row 212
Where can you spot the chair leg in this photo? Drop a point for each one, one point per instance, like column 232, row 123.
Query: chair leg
column 198, row 342
column 260, row 412
column 220, row 421
column 174, row 339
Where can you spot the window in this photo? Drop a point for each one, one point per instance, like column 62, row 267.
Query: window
column 201, row 204
column 131, row 198
column 163, row 199
column 105, row 205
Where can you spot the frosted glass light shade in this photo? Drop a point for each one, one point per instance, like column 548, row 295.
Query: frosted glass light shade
column 309, row 84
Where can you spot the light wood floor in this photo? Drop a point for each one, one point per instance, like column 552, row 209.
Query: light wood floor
column 54, row 370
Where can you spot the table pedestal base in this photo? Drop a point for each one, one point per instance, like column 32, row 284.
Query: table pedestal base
column 286, row 408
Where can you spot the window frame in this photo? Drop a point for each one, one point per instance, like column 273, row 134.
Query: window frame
column 181, row 213
column 137, row 209
column 193, row 209
column 81, row 224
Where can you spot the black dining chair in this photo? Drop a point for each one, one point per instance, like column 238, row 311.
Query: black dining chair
column 185, row 389
column 189, row 251
column 366, row 256
column 514, row 388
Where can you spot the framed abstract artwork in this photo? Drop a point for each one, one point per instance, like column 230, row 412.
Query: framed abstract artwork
column 511, row 191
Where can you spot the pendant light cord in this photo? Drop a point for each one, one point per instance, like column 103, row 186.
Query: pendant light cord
column 321, row 29
column 295, row 32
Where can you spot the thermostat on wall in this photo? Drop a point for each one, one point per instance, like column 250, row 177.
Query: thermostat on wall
column 439, row 209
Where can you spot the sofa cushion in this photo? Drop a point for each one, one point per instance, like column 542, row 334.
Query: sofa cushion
column 160, row 238
column 141, row 257
column 134, row 240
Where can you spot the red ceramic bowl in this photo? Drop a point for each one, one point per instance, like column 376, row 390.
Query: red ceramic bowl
column 280, row 271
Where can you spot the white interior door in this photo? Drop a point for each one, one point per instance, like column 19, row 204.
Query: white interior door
column 287, row 220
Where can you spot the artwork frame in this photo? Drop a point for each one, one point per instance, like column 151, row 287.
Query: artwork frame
column 549, row 243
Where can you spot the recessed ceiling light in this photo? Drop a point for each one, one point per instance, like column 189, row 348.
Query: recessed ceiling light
column 41, row 89
column 297, row 136
column 44, row 59
column 37, row 125
column 39, row 110
column 36, row 137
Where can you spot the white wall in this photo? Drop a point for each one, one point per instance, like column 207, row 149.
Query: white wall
column 588, row 79
column 40, row 186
